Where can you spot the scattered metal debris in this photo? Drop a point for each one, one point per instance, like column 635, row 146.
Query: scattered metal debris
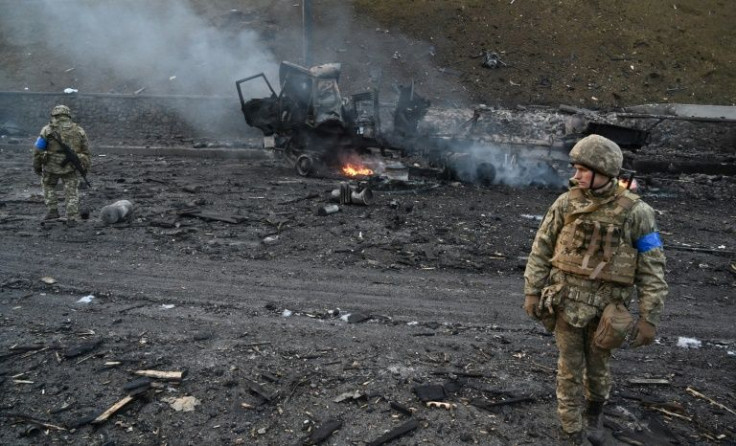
column 322, row 432
column 350, row 194
column 395, row 433
column 492, row 60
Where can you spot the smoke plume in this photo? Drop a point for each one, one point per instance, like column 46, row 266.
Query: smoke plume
column 484, row 163
column 128, row 45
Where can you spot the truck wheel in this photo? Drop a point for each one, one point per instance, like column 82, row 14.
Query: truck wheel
column 304, row 165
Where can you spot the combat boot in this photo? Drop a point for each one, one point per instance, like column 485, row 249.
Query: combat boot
column 52, row 214
column 576, row 438
column 594, row 418
column 72, row 220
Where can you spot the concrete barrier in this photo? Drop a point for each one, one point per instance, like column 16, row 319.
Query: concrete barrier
column 128, row 119
column 253, row 152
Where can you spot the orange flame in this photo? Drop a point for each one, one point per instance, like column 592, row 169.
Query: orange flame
column 352, row 170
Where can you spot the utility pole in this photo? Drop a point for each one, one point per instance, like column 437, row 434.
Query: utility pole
column 307, row 32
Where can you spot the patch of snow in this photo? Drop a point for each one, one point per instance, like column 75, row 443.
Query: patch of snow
column 684, row 342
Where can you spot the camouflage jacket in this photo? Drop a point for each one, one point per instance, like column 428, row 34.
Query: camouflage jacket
column 581, row 299
column 47, row 152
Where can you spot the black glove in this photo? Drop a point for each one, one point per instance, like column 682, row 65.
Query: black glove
column 38, row 170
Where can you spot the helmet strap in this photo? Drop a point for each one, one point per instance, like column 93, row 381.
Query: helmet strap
column 592, row 180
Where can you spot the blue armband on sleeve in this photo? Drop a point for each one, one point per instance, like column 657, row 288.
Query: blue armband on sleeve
column 40, row 143
column 648, row 242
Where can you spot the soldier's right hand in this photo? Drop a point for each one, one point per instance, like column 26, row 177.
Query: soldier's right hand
column 643, row 333
column 531, row 306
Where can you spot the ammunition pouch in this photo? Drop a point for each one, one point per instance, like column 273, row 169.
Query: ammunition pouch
column 551, row 298
column 615, row 324
column 549, row 321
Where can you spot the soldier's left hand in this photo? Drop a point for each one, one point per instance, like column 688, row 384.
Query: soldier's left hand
column 531, row 306
column 643, row 333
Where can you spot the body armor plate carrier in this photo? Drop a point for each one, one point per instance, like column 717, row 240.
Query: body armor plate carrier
column 591, row 243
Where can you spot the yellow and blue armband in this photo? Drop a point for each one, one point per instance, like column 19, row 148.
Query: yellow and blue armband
column 648, row 242
column 41, row 143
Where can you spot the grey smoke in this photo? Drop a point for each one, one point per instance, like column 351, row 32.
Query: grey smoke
column 134, row 46
column 511, row 166
column 165, row 47
column 139, row 43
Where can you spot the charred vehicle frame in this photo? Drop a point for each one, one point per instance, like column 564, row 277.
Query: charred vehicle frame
column 312, row 125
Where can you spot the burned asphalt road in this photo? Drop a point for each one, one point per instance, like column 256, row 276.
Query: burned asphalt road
column 281, row 326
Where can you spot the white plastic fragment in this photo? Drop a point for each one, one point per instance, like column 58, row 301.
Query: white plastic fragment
column 286, row 313
column 684, row 342
column 70, row 90
column 532, row 217
column 270, row 239
column 86, row 299
column 167, row 306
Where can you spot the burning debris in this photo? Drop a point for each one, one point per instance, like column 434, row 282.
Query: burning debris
column 310, row 125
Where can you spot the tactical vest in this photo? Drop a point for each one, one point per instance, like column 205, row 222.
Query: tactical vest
column 55, row 158
column 591, row 242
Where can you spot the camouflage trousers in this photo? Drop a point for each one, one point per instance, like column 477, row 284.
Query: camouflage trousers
column 71, row 192
column 583, row 372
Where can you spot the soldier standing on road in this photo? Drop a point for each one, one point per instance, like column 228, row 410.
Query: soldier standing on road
column 52, row 164
column 597, row 245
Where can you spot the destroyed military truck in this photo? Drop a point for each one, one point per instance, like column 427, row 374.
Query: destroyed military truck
column 310, row 124
column 315, row 129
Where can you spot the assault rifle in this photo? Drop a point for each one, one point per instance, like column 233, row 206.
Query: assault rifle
column 71, row 157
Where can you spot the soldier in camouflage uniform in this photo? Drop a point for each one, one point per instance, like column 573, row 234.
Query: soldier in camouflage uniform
column 597, row 244
column 49, row 161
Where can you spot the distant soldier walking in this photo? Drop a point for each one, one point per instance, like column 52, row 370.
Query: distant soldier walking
column 61, row 153
column 597, row 246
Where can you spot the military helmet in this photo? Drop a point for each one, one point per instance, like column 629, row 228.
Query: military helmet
column 61, row 110
column 599, row 154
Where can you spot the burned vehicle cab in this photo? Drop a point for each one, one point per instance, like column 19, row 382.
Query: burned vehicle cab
column 312, row 126
column 316, row 92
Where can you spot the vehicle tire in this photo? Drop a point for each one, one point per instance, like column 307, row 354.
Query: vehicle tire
column 486, row 174
column 304, row 165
